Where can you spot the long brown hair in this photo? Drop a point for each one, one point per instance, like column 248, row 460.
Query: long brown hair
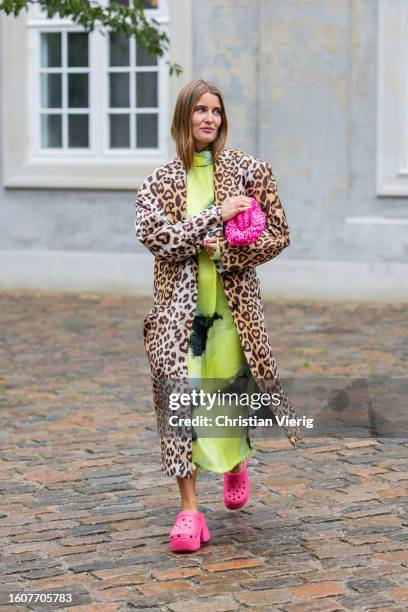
column 181, row 129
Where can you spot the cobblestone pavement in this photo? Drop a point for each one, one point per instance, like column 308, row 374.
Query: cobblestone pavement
column 86, row 510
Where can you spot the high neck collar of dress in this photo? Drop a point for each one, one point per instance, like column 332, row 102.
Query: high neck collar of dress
column 203, row 158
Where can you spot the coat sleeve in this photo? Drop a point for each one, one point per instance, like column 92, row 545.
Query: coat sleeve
column 275, row 236
column 166, row 240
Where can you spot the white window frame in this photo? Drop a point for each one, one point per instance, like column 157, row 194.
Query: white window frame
column 27, row 165
column 34, row 112
column 392, row 98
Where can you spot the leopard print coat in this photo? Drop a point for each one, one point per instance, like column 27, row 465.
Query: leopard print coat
column 174, row 240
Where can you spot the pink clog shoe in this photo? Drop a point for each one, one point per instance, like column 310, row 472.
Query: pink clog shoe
column 236, row 488
column 189, row 530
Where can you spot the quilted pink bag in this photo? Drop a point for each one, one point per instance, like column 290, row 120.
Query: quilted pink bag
column 246, row 226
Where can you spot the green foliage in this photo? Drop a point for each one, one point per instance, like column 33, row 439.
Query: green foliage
column 127, row 20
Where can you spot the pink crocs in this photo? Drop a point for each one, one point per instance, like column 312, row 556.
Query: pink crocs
column 236, row 488
column 189, row 530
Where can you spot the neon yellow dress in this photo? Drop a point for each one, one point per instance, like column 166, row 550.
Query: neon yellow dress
column 215, row 350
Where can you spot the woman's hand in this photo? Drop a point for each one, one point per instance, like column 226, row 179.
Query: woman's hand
column 232, row 206
column 210, row 245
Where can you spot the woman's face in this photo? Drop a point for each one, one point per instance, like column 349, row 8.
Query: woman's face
column 206, row 120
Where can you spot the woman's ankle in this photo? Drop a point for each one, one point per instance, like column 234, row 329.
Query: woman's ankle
column 189, row 506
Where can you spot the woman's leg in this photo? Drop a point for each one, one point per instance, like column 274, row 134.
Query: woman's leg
column 187, row 488
column 237, row 467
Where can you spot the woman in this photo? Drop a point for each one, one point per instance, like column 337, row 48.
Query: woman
column 207, row 320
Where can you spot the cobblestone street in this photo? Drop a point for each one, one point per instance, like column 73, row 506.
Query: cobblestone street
column 86, row 509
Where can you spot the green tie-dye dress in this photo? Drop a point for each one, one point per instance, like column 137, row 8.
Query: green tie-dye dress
column 215, row 350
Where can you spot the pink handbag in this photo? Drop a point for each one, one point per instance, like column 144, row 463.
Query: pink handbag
column 247, row 226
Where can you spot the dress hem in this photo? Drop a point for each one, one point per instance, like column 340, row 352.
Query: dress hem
column 200, row 468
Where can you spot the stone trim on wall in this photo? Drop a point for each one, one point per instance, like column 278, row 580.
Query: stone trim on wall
column 392, row 98
column 132, row 273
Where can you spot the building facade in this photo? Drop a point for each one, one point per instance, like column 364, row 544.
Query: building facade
column 316, row 87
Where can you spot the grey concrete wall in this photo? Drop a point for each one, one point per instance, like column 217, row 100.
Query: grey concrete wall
column 300, row 85
column 67, row 220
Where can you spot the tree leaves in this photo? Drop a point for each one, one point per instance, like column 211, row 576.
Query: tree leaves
column 127, row 20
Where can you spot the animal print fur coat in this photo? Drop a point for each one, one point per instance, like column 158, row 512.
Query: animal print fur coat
column 174, row 240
